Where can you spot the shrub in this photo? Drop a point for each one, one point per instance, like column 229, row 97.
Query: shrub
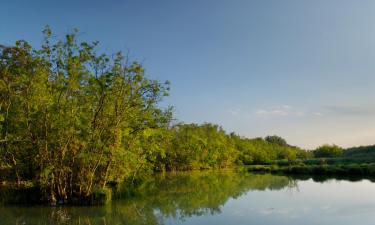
column 328, row 151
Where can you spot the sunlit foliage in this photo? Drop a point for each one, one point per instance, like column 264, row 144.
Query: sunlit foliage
column 72, row 119
column 328, row 151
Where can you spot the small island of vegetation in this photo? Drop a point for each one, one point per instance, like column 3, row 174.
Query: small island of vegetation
column 74, row 124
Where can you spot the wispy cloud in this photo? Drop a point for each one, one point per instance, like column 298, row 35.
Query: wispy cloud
column 284, row 110
column 273, row 112
column 318, row 112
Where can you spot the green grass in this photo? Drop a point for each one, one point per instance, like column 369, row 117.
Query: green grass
column 363, row 169
column 324, row 161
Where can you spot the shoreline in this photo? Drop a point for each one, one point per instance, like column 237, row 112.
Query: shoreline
column 364, row 169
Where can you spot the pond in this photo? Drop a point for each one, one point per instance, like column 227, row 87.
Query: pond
column 220, row 197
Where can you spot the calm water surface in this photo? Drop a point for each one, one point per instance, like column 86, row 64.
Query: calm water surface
column 225, row 197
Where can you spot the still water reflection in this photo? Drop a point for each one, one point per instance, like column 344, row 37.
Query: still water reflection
column 224, row 197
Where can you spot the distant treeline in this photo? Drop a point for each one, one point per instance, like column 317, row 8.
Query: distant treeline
column 73, row 122
column 326, row 160
column 362, row 151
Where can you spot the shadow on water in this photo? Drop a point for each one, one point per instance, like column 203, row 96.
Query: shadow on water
column 178, row 196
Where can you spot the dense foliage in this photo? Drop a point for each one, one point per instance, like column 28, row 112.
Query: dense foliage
column 72, row 120
column 361, row 151
column 259, row 150
column 328, row 151
column 193, row 146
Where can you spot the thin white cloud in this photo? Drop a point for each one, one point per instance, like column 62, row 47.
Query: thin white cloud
column 283, row 110
column 274, row 112
column 280, row 111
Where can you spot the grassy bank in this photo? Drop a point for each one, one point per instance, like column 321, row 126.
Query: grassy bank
column 324, row 161
column 363, row 169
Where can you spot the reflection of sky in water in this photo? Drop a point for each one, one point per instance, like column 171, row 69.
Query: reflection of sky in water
column 331, row 202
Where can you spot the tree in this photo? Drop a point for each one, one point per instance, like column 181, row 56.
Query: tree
column 328, row 151
column 276, row 140
column 195, row 146
column 72, row 120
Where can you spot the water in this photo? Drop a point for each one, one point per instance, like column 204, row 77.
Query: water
column 226, row 197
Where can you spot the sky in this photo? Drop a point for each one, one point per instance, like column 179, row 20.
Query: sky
column 300, row 69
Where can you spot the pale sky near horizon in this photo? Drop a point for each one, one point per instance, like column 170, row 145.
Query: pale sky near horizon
column 300, row 69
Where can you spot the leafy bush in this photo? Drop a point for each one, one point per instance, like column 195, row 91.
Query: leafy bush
column 328, row 151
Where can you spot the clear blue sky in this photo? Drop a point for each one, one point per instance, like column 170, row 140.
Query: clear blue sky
column 300, row 69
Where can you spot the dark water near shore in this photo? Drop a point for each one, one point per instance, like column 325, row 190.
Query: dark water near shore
column 224, row 197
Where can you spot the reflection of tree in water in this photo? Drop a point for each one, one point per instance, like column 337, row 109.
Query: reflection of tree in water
column 177, row 196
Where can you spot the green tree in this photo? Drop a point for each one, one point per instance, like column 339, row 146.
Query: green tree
column 276, row 140
column 328, row 151
column 72, row 120
column 195, row 146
